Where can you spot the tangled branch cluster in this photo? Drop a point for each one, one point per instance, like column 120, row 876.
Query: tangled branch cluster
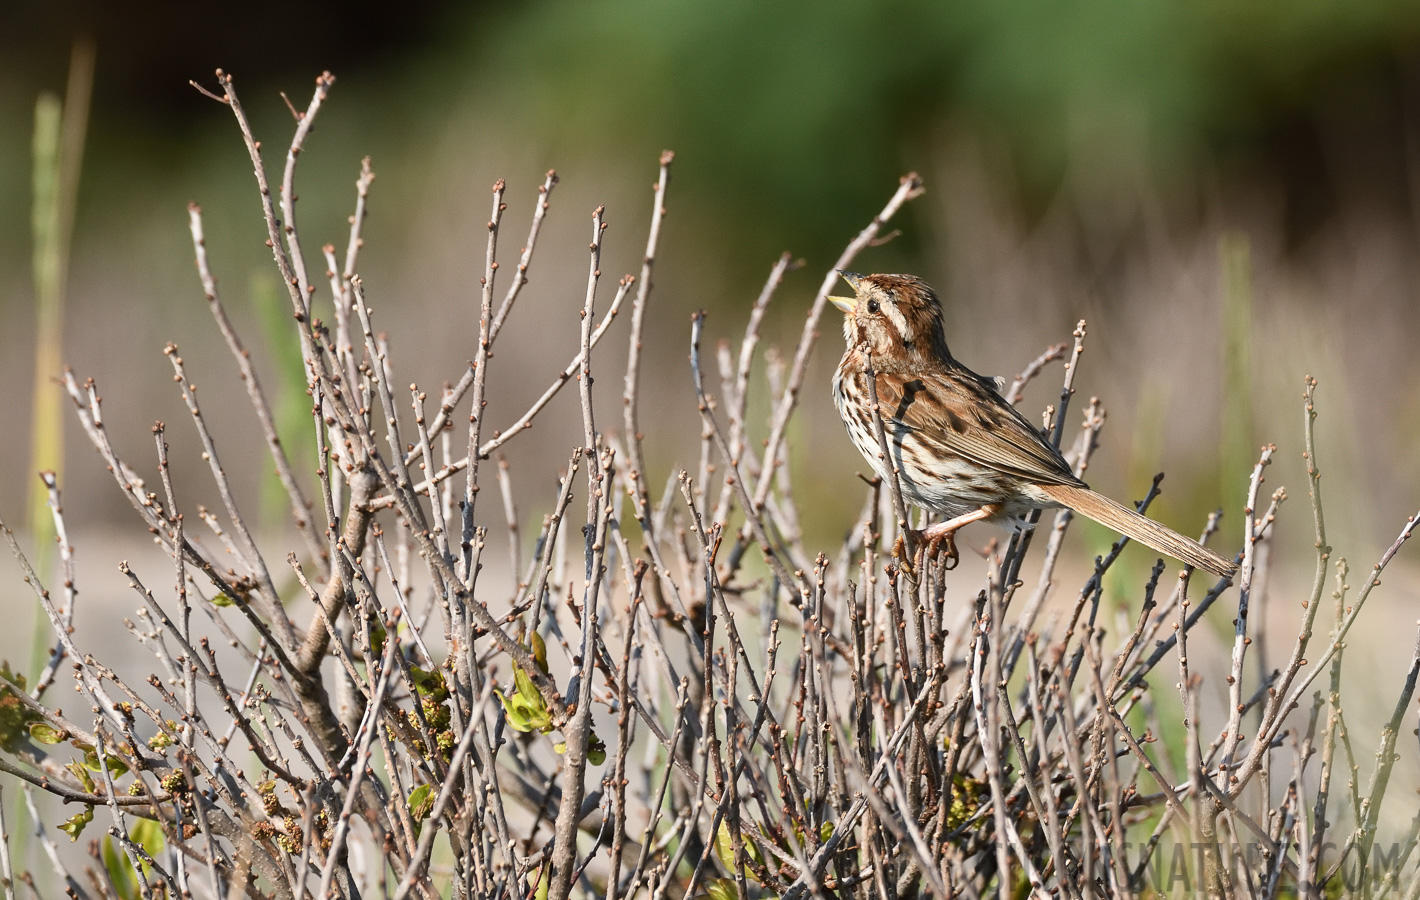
column 701, row 707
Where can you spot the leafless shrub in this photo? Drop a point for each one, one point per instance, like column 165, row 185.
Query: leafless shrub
column 707, row 707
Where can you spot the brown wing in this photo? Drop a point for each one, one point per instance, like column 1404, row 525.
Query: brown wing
column 958, row 412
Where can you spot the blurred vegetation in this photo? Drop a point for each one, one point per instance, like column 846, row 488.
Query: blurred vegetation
column 791, row 121
column 799, row 110
column 802, row 110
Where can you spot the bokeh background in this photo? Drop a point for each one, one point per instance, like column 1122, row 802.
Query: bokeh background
column 1228, row 191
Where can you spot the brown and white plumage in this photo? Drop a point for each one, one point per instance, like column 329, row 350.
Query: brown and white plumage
column 960, row 449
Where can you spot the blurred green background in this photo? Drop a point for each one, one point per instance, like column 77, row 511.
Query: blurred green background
column 1228, row 191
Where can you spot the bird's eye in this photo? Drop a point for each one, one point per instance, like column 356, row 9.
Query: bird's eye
column 873, row 306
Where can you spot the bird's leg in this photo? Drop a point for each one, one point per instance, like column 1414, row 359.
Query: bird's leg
column 946, row 531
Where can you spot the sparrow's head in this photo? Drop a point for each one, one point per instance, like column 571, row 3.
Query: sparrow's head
column 898, row 317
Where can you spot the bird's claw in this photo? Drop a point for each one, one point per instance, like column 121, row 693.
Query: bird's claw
column 928, row 549
column 900, row 556
column 952, row 557
column 932, row 547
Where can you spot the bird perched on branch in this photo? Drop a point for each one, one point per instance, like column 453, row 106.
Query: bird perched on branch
column 959, row 448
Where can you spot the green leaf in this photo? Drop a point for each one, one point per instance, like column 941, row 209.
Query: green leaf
column 538, row 716
column 223, row 600
column 516, row 709
column 596, row 750
column 421, row 802
column 148, row 834
column 119, row 871
column 430, row 684
column 46, row 733
column 77, row 769
column 525, row 684
column 720, row 889
column 539, row 652
column 116, row 766
column 725, row 847
column 74, row 825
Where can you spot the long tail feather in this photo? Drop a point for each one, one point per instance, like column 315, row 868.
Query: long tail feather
column 1142, row 529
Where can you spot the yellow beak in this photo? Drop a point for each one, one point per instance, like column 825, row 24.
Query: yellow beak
column 846, row 304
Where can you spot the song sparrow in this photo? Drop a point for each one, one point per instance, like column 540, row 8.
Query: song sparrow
column 960, row 449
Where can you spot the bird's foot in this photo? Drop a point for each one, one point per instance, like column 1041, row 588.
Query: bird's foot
column 945, row 533
column 928, row 546
column 906, row 563
column 948, row 542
